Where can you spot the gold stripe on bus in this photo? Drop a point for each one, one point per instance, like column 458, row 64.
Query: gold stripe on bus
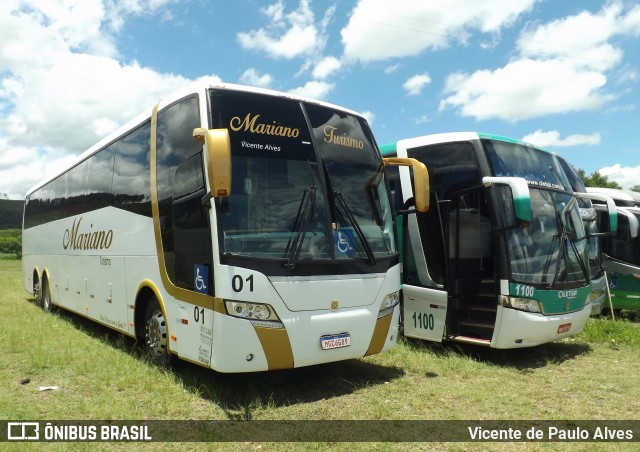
column 379, row 335
column 188, row 296
column 218, row 306
column 276, row 346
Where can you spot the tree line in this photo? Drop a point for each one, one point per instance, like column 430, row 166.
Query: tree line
column 596, row 179
column 11, row 242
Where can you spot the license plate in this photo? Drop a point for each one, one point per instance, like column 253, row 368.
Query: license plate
column 564, row 328
column 335, row 341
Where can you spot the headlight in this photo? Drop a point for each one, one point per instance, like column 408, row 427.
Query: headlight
column 594, row 295
column 388, row 303
column 260, row 314
column 522, row 304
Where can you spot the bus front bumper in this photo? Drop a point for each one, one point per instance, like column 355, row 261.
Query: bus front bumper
column 516, row 329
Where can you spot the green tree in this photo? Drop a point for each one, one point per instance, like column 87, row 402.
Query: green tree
column 596, row 179
column 635, row 188
column 11, row 242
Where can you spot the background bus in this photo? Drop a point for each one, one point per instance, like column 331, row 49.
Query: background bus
column 265, row 243
column 621, row 251
column 598, row 296
column 500, row 259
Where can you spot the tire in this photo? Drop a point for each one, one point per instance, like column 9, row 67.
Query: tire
column 47, row 305
column 156, row 334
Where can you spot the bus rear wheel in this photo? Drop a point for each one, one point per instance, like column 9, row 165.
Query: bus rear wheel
column 155, row 333
column 46, row 296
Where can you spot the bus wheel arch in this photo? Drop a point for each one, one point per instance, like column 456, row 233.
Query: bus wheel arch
column 151, row 326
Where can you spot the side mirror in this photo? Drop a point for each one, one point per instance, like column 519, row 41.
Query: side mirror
column 420, row 179
column 218, row 157
column 520, row 198
column 633, row 221
column 611, row 207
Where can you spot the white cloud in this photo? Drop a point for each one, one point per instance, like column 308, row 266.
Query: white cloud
column 61, row 88
column 415, row 84
column 424, row 119
column 369, row 116
column 314, row 89
column 562, row 67
column 626, row 176
column 552, row 139
column 287, row 35
column 391, row 69
column 525, row 89
column 326, row 67
column 253, row 78
column 380, row 29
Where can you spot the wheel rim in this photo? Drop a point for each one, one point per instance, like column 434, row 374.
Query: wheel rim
column 36, row 291
column 156, row 332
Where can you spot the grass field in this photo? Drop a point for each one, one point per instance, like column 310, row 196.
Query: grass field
column 102, row 375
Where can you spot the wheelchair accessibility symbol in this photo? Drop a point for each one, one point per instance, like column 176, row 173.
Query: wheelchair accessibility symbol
column 201, row 278
column 343, row 239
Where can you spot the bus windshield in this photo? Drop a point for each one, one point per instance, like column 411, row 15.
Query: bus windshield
column 589, row 217
column 307, row 182
column 552, row 250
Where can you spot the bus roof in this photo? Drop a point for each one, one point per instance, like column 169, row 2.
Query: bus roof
column 627, row 196
column 177, row 95
column 447, row 137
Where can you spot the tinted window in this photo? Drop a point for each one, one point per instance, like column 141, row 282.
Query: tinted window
column 175, row 144
column 452, row 166
column 131, row 172
column 99, row 179
column 76, row 200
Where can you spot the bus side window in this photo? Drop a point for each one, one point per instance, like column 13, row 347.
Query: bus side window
column 184, row 226
column 131, row 186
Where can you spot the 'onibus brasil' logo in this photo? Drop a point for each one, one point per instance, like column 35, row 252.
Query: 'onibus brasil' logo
column 92, row 240
column 251, row 124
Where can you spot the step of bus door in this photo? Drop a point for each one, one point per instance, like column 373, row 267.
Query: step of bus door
column 487, row 288
column 476, row 328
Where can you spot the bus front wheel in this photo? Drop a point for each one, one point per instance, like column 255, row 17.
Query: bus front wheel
column 155, row 333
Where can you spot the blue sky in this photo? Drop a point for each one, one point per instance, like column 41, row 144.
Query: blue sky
column 561, row 74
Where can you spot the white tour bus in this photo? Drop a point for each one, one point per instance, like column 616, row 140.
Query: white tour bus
column 236, row 228
column 621, row 251
column 500, row 259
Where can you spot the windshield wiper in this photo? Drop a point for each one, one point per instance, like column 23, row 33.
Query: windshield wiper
column 563, row 251
column 356, row 226
column 305, row 213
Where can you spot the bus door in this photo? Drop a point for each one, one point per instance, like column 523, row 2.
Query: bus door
column 424, row 307
column 470, row 266
column 424, row 300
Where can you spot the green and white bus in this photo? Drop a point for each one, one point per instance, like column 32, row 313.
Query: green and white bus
column 500, row 259
column 598, row 296
column 621, row 251
column 236, row 228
